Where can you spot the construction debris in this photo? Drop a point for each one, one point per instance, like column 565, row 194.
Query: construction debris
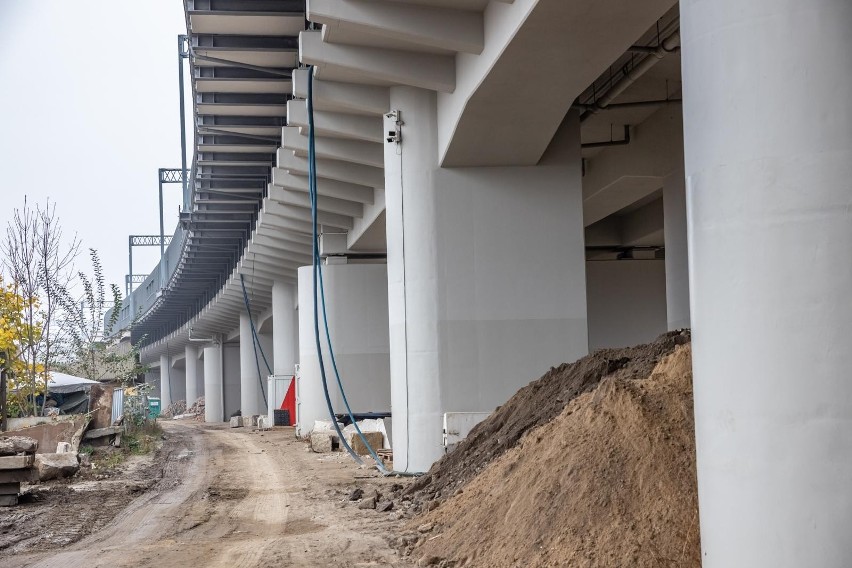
column 16, row 465
column 174, row 409
column 12, row 445
column 197, row 408
column 56, row 466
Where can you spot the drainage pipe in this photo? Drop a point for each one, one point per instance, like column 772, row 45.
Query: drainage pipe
column 671, row 43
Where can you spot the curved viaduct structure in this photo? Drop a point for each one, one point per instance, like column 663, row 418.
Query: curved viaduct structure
column 503, row 186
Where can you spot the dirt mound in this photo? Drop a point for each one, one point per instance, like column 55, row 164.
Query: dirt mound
column 609, row 483
column 535, row 404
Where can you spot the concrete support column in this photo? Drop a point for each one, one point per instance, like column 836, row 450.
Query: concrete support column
column 486, row 276
column 284, row 327
column 191, row 352
column 357, row 304
column 677, row 256
column 251, row 397
column 213, row 403
column 165, row 382
column 768, row 139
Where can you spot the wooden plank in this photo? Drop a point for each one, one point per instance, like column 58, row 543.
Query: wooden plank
column 17, row 475
column 15, row 462
column 10, row 488
column 8, row 500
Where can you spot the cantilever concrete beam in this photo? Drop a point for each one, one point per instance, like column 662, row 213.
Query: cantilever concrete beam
column 300, row 214
column 427, row 26
column 424, row 70
column 276, row 245
column 325, row 204
column 285, row 223
column 328, row 187
column 333, row 169
column 270, row 259
column 342, row 97
column 355, row 151
column 366, row 128
column 284, row 239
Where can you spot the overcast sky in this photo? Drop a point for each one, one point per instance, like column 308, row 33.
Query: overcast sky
column 89, row 96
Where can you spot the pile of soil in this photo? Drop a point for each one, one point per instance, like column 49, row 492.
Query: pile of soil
column 610, row 482
column 535, row 404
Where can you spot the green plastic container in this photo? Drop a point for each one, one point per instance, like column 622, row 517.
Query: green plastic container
column 153, row 407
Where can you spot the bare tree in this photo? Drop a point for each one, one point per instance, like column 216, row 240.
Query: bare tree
column 20, row 261
column 55, row 262
column 40, row 266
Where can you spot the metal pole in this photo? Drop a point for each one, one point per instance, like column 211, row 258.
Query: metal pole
column 3, row 391
column 129, row 286
column 181, row 54
column 162, row 234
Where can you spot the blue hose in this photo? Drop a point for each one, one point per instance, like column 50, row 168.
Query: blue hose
column 315, row 261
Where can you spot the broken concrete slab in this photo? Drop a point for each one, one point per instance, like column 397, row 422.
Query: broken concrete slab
column 375, row 439
column 50, row 431
column 11, row 445
column 15, row 462
column 103, row 432
column 55, row 466
column 263, row 422
column 236, row 421
column 323, row 442
column 8, row 500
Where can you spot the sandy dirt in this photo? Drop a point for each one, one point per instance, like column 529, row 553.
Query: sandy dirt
column 608, row 483
column 213, row 497
column 536, row 404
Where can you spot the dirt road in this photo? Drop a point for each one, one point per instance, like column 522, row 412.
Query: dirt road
column 237, row 498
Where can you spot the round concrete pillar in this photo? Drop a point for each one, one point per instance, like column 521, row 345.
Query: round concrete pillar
column 768, row 139
column 284, row 328
column 213, row 404
column 251, row 401
column 191, row 352
column 165, row 382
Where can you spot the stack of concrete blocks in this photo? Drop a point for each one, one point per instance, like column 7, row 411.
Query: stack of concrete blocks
column 257, row 421
column 323, row 441
column 17, row 456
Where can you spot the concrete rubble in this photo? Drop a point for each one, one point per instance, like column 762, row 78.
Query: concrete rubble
column 16, row 465
column 55, row 466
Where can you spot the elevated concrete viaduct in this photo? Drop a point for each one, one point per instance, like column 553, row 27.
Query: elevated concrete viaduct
column 503, row 185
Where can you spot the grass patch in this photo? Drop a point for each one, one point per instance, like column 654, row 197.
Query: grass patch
column 144, row 439
column 111, row 460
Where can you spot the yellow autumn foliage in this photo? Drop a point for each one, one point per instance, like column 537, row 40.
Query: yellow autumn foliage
column 16, row 334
